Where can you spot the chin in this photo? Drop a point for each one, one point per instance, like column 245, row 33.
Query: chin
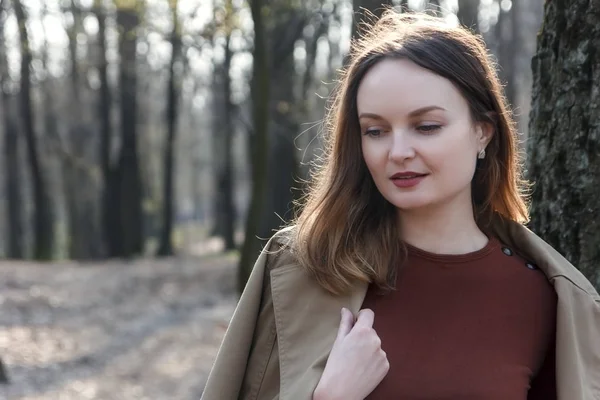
column 410, row 204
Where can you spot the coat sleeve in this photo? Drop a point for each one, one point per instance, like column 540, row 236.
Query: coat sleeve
column 246, row 366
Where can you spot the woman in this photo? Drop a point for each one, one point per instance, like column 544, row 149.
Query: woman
column 412, row 232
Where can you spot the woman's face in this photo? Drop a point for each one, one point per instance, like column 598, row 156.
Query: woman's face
column 418, row 138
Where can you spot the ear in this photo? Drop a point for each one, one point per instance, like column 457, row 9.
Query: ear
column 484, row 132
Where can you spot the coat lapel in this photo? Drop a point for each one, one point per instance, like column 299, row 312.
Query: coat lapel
column 227, row 373
column 307, row 319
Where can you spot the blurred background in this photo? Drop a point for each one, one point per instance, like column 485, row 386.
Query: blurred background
column 128, row 127
column 143, row 140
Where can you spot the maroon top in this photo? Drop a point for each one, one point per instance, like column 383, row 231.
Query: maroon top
column 478, row 326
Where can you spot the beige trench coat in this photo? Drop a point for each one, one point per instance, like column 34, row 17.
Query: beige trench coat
column 284, row 326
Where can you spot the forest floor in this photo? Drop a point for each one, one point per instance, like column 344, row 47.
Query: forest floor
column 146, row 329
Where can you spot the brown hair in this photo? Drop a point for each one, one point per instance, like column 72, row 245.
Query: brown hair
column 346, row 230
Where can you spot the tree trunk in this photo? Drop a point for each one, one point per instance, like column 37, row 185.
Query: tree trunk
column 468, row 14
column 224, row 209
column 43, row 232
column 260, row 111
column 3, row 375
column 166, row 245
column 515, row 53
column 283, row 165
column 564, row 144
column 508, row 47
column 14, row 234
column 15, row 249
column 226, row 179
column 128, row 185
column 218, row 145
column 79, row 188
column 109, row 215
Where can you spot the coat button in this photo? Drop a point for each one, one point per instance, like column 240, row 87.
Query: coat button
column 531, row 266
column 507, row 251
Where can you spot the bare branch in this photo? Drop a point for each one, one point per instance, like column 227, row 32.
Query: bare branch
column 57, row 143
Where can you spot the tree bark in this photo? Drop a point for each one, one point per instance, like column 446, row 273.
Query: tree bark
column 226, row 179
column 14, row 234
column 15, row 249
column 43, row 231
column 127, row 237
column 468, row 14
column 109, row 216
column 260, row 111
column 224, row 206
column 166, row 244
column 564, row 144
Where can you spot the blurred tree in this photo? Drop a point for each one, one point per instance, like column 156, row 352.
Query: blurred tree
column 223, row 129
column 43, row 229
column 52, row 138
column 509, row 46
column 108, row 217
column 325, row 26
column 14, row 234
column 173, row 93
column 260, row 142
column 321, row 22
column 3, row 374
column 468, row 14
column 285, row 28
column 79, row 178
column 516, row 38
column 564, row 145
column 125, row 185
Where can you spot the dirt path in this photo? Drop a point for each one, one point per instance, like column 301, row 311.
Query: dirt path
column 143, row 330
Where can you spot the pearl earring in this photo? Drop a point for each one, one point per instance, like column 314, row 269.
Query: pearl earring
column 481, row 154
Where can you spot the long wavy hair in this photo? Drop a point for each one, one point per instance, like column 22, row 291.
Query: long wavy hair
column 346, row 231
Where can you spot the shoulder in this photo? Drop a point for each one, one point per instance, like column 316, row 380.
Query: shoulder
column 533, row 248
column 281, row 250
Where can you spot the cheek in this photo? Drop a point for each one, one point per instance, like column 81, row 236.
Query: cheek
column 371, row 156
column 453, row 159
column 455, row 163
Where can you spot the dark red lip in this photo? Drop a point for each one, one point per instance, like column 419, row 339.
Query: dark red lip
column 406, row 180
column 406, row 174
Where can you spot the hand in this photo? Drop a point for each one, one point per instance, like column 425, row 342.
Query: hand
column 356, row 364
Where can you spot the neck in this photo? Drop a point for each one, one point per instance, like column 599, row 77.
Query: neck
column 446, row 229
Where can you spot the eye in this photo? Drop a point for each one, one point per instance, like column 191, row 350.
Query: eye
column 430, row 128
column 373, row 132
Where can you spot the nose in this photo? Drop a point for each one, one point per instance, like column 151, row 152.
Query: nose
column 401, row 147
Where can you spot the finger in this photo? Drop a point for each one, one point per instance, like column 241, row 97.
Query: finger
column 365, row 318
column 346, row 323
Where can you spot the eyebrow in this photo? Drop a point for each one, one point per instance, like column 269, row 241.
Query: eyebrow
column 414, row 113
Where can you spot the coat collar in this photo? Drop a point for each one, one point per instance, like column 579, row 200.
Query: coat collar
column 533, row 248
